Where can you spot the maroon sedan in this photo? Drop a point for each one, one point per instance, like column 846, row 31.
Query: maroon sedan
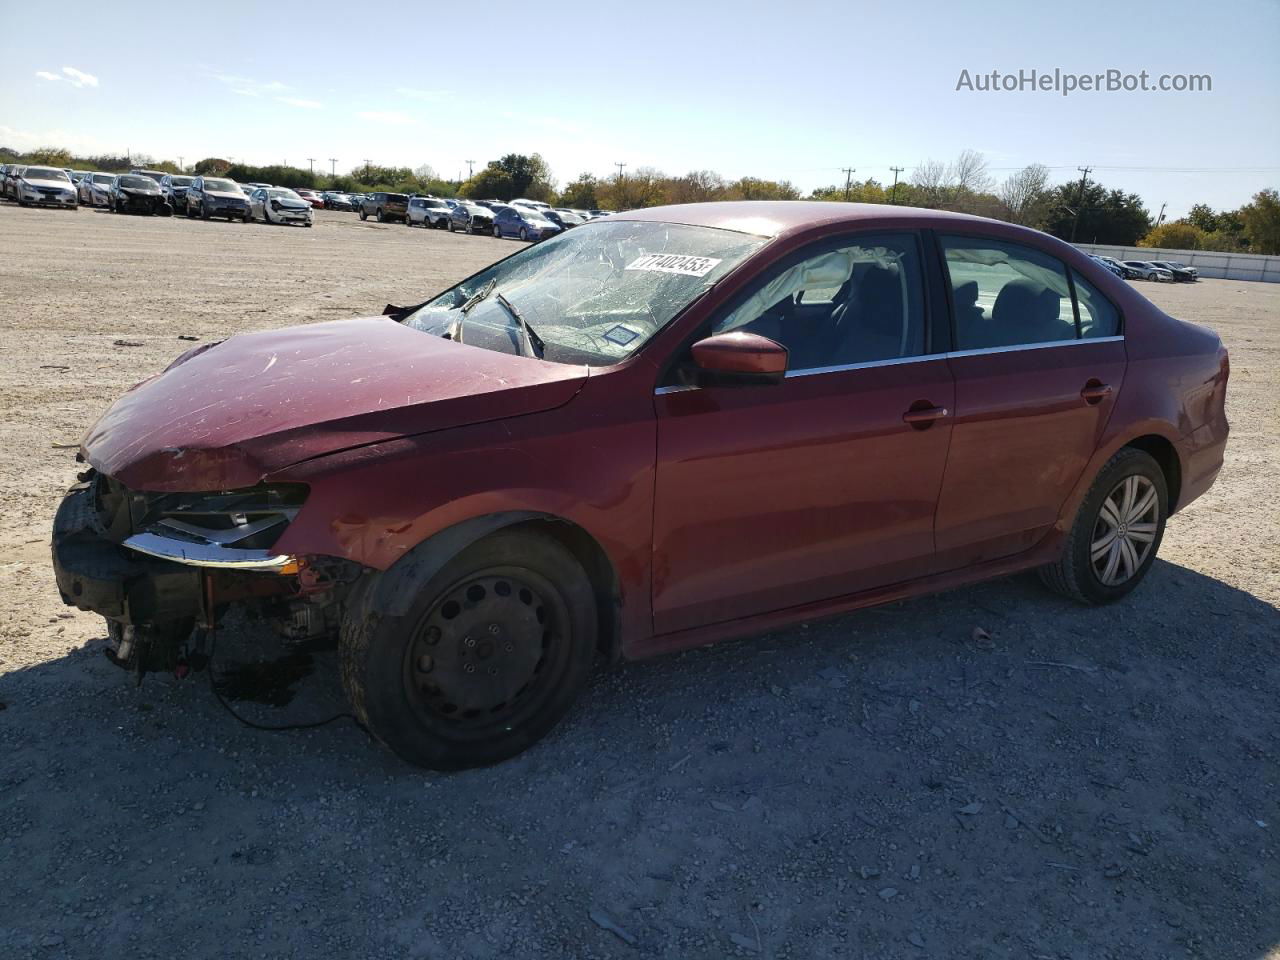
column 660, row 429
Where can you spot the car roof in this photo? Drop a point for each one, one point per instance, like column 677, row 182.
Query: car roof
column 774, row 218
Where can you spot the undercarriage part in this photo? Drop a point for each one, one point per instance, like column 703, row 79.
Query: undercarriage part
column 150, row 649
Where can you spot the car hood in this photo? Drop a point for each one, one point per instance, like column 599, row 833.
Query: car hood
column 227, row 194
column 41, row 182
column 225, row 415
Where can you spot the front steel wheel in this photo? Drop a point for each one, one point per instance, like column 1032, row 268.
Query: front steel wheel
column 1116, row 533
column 485, row 660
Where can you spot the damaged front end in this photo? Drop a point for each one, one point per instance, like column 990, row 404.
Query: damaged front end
column 164, row 568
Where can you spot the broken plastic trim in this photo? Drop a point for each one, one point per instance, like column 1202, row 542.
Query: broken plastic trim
column 210, row 555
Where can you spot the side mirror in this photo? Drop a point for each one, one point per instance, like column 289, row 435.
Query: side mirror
column 739, row 358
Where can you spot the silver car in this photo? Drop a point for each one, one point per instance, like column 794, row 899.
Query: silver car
column 427, row 212
column 95, row 189
column 1149, row 271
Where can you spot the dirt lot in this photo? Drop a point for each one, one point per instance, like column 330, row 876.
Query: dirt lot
column 1088, row 783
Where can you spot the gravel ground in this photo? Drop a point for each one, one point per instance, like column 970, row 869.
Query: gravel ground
column 1069, row 783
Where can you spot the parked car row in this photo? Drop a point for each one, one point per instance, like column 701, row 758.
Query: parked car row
column 526, row 219
column 1168, row 271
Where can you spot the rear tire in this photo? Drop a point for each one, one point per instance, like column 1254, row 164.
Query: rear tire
column 1113, row 540
column 497, row 232
column 489, row 656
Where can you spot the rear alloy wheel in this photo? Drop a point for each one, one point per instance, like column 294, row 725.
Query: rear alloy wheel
column 497, row 232
column 485, row 661
column 1116, row 533
column 381, row 218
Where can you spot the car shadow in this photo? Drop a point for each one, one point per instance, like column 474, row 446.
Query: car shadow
column 989, row 767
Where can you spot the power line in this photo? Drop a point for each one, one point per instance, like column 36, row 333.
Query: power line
column 1084, row 176
column 896, row 171
column 848, row 178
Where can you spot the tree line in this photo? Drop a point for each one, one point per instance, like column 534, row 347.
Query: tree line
column 1081, row 211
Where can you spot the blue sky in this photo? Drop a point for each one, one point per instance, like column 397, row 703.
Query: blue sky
column 783, row 91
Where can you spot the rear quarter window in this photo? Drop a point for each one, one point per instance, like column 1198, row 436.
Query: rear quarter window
column 1098, row 315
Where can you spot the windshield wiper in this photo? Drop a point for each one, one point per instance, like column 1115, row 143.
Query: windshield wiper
column 455, row 333
column 536, row 347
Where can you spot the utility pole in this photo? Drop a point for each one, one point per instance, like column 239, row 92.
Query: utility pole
column 619, row 166
column 312, row 161
column 367, row 161
column 470, row 168
column 848, row 178
column 1084, row 177
column 333, row 167
column 896, row 171
column 1160, row 219
column 181, row 165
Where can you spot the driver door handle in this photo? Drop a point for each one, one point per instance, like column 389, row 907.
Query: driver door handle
column 1095, row 391
column 925, row 415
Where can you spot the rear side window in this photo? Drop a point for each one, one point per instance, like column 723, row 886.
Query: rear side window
column 1098, row 315
column 1006, row 294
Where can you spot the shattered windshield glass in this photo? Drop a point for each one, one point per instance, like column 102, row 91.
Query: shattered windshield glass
column 594, row 295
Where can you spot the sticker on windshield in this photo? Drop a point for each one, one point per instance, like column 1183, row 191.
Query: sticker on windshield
column 620, row 335
column 675, row 263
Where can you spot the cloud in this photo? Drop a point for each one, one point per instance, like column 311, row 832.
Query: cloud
column 248, row 87
column 416, row 94
column 77, row 78
column 391, row 117
column 299, row 102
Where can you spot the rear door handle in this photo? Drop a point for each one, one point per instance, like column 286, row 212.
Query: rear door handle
column 1095, row 391
column 924, row 415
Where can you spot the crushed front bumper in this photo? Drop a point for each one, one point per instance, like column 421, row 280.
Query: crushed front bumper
column 123, row 585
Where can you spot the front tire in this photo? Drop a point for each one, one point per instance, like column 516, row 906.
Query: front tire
column 363, row 215
column 488, row 657
column 497, row 232
column 1116, row 533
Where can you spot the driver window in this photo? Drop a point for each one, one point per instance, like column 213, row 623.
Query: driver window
column 855, row 303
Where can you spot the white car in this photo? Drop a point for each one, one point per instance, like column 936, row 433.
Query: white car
column 46, row 187
column 279, row 205
column 95, row 189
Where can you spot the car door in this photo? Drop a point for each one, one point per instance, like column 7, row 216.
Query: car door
column 1037, row 375
column 768, row 497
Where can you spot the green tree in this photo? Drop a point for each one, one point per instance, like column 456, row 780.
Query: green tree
column 50, row 157
column 751, row 188
column 1261, row 222
column 1203, row 217
column 1175, row 235
column 580, row 193
column 1105, row 216
column 860, row 191
column 214, row 166
column 490, row 183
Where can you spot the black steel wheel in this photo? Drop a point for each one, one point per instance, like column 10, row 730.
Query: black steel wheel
column 483, row 663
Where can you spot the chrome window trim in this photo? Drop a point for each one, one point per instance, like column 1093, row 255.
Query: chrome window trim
column 896, row 361
column 864, row 365
column 1032, row 346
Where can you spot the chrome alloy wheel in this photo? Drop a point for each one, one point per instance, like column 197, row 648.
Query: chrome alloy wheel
column 1125, row 530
